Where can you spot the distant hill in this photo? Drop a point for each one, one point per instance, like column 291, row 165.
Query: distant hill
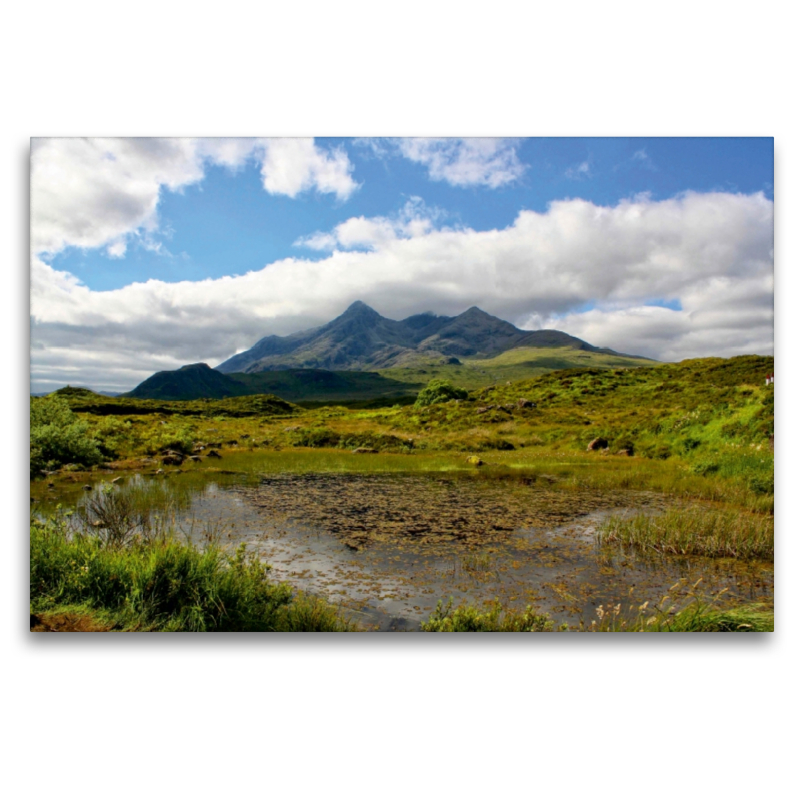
column 196, row 381
column 362, row 339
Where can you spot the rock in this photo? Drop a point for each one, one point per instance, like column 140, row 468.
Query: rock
column 291, row 428
column 597, row 444
column 87, row 488
column 364, row 450
column 159, row 472
column 523, row 403
column 475, row 461
column 172, row 460
column 117, row 479
column 213, row 454
column 198, row 448
column 195, row 458
column 626, row 451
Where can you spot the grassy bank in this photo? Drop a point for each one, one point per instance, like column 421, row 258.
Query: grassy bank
column 695, row 531
column 160, row 584
column 698, row 616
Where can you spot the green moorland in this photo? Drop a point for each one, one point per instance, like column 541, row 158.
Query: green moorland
column 699, row 432
column 513, row 365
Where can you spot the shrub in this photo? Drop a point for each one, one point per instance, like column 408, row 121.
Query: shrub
column 59, row 436
column 438, row 391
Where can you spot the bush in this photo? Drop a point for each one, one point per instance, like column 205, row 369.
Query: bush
column 438, row 391
column 59, row 436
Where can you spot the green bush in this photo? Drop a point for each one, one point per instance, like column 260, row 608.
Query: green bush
column 59, row 436
column 438, row 391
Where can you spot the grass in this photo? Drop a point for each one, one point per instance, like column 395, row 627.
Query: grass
column 468, row 619
column 695, row 531
column 673, row 614
column 160, row 584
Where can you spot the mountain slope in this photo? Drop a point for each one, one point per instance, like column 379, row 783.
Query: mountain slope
column 362, row 339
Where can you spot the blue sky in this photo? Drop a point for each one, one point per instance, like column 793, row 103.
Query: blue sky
column 227, row 224
column 147, row 254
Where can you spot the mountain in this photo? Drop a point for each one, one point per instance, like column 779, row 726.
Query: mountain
column 188, row 383
column 196, row 381
column 362, row 339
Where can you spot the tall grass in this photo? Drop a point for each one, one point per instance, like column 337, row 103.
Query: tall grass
column 696, row 531
column 164, row 585
column 673, row 614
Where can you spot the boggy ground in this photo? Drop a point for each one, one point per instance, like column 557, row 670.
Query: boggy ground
column 362, row 509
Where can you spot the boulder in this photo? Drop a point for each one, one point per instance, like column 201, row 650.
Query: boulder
column 213, row 454
column 364, row 450
column 597, row 444
column 87, row 488
column 625, row 451
column 523, row 403
column 172, row 460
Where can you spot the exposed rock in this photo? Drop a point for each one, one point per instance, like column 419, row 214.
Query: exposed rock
column 213, row 454
column 597, row 444
column 364, row 450
column 117, row 479
column 172, row 460
column 198, row 448
column 625, row 451
column 87, row 488
column 523, row 403
column 195, row 458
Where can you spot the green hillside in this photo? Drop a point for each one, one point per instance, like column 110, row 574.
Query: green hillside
column 513, row 365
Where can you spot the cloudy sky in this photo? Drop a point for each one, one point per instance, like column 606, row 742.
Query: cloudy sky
column 147, row 254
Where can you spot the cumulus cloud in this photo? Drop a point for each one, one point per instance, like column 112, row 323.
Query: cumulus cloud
column 489, row 162
column 414, row 219
column 91, row 193
column 712, row 253
column 291, row 166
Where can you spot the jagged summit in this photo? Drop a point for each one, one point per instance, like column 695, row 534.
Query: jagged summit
column 362, row 339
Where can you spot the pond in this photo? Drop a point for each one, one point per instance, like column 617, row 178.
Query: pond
column 388, row 547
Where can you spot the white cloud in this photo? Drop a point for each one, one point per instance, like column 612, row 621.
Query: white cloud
column 414, row 219
column 291, row 166
column 96, row 192
column 711, row 252
column 466, row 162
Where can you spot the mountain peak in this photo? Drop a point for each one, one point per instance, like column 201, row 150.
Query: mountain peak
column 358, row 307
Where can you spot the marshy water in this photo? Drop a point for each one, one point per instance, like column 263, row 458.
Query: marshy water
column 389, row 546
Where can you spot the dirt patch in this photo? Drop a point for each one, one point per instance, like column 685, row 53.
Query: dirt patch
column 66, row 623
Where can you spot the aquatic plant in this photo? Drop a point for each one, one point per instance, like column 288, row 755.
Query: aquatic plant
column 695, row 530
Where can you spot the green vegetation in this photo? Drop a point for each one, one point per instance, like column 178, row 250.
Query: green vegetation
column 521, row 363
column 159, row 584
column 696, row 530
column 465, row 618
column 691, row 614
column 439, row 392
column 59, row 436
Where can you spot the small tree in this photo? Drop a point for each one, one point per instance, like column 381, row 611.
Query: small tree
column 438, row 391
